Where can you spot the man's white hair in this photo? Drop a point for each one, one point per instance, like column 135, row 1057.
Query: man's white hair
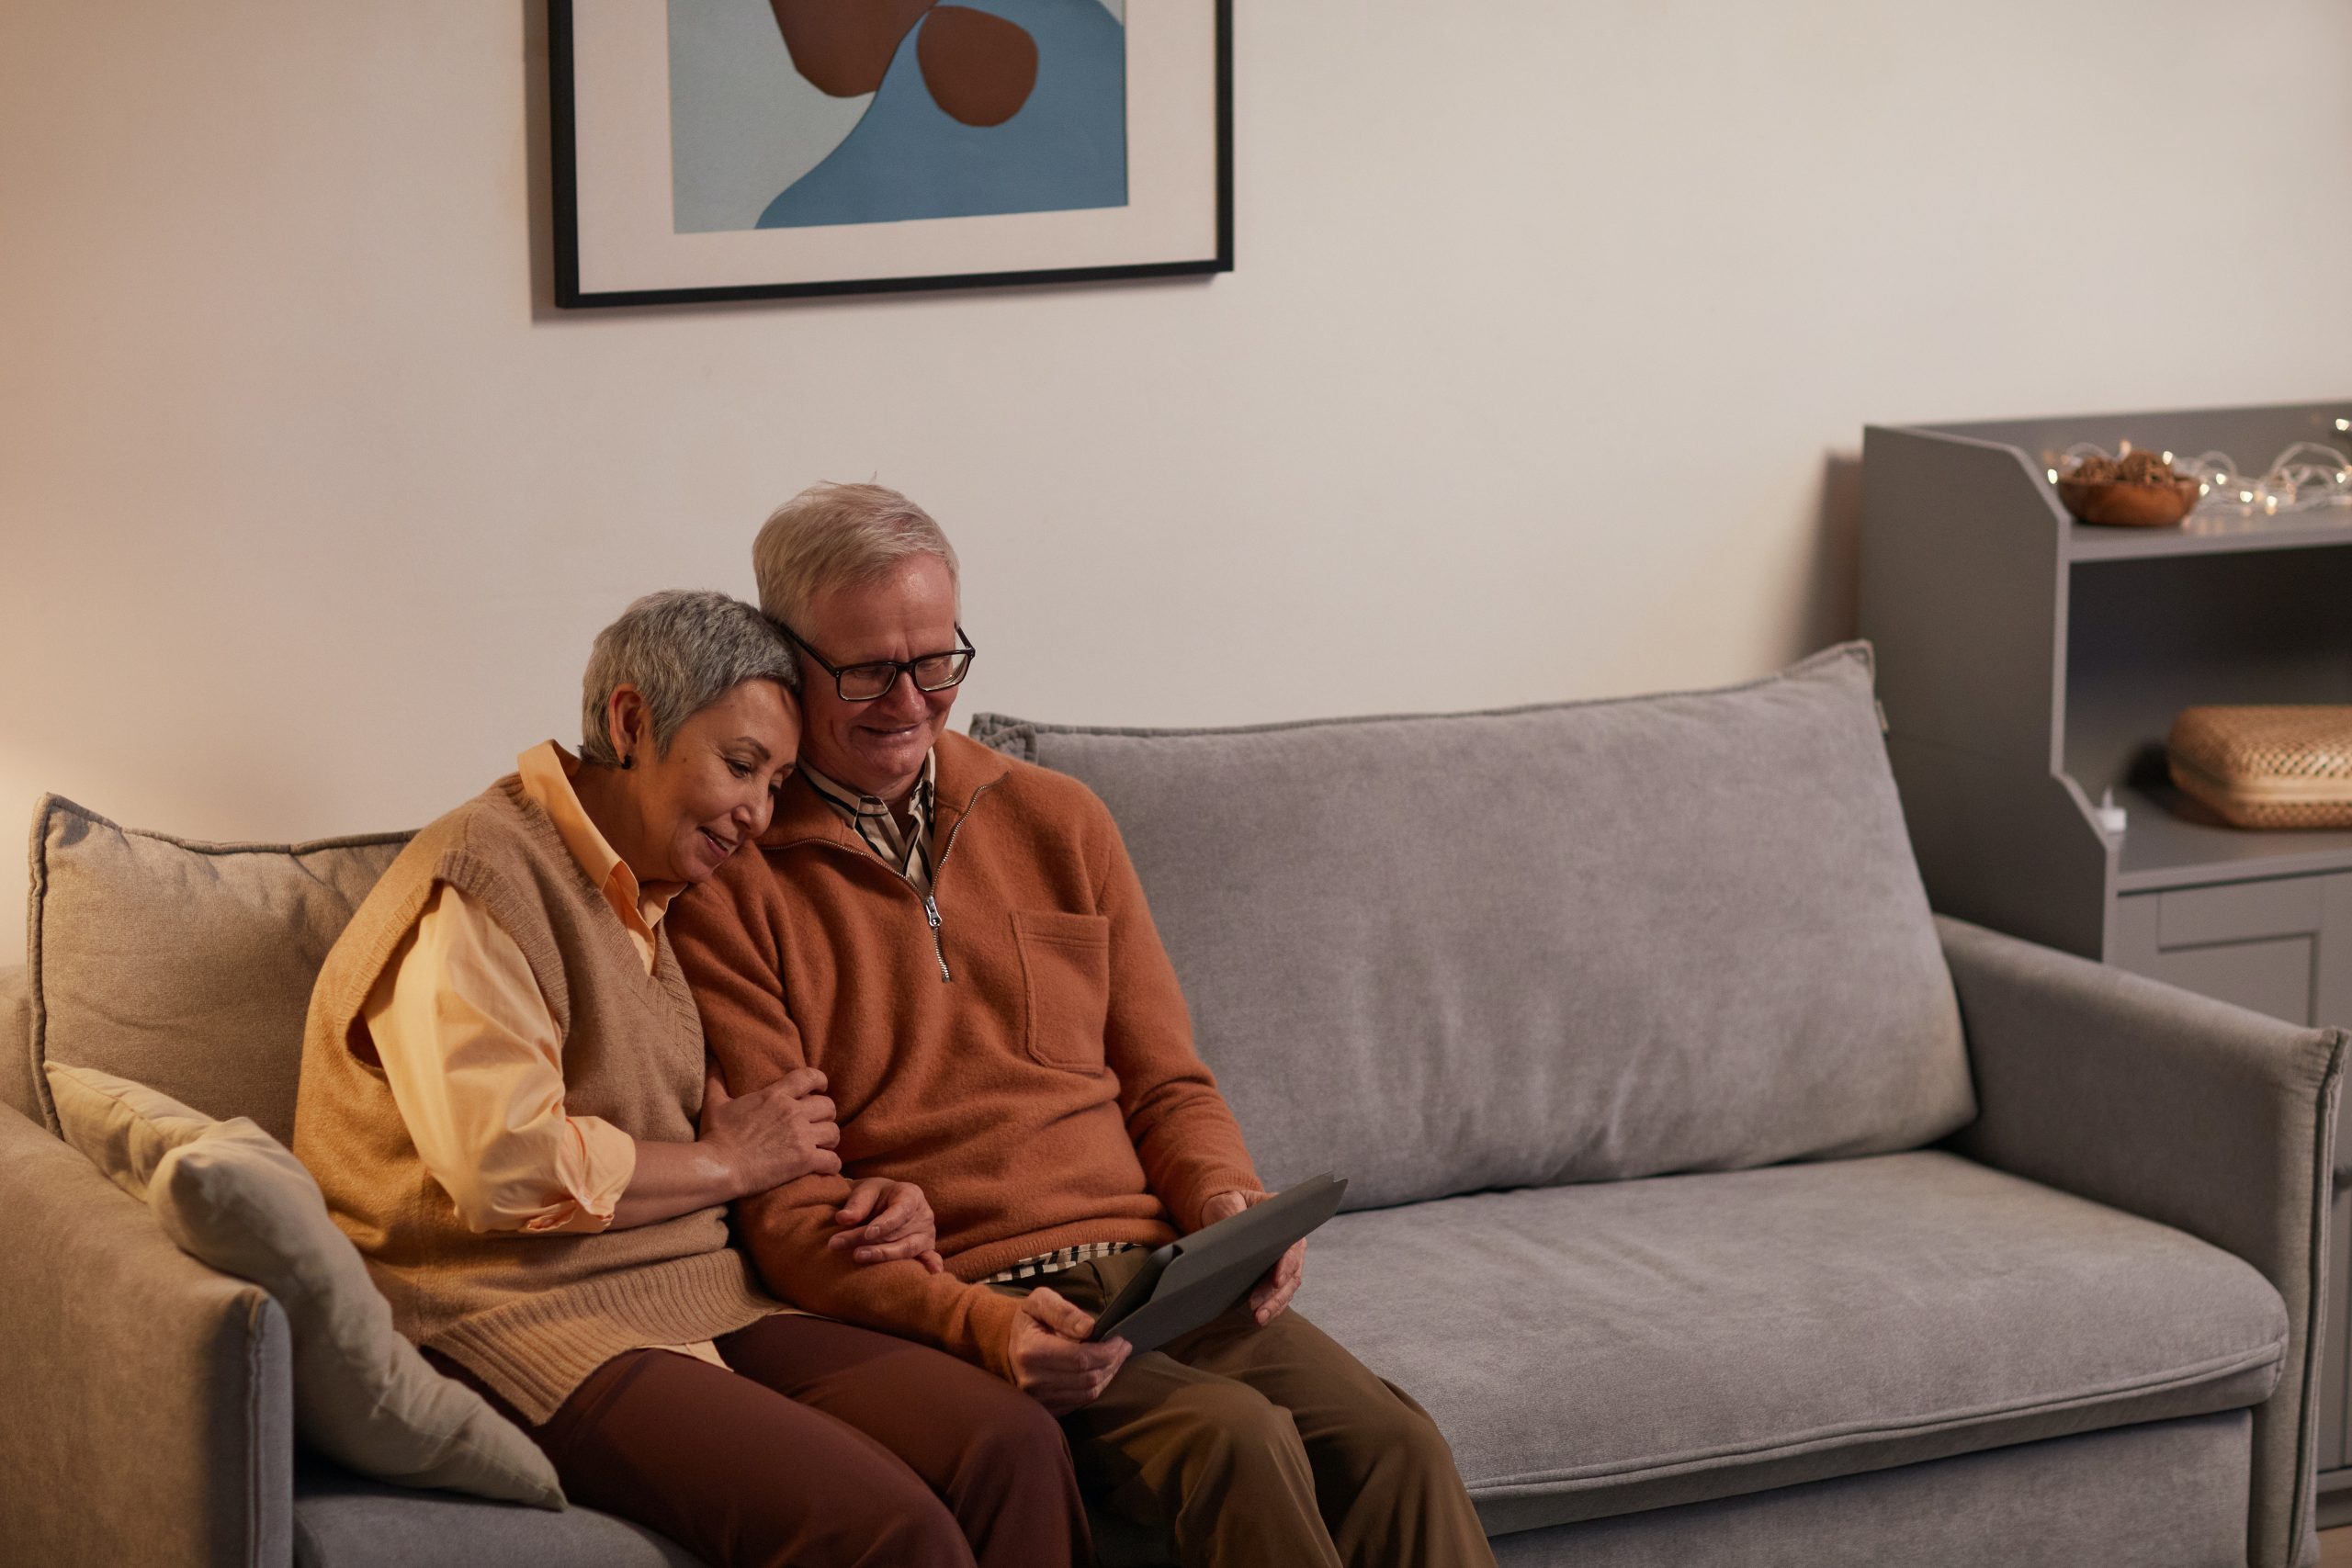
column 832, row 535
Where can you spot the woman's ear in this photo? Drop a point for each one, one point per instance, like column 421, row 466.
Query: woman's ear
column 627, row 724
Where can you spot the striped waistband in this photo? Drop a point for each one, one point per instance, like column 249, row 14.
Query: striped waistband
column 1055, row 1261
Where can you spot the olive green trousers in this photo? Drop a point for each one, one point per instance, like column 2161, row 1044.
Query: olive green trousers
column 1265, row 1446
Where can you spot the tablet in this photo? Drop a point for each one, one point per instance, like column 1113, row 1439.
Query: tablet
column 1187, row 1282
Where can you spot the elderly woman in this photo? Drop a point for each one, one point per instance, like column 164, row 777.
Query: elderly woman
column 504, row 1095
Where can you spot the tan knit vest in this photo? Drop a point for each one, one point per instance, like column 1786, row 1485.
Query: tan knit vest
column 532, row 1316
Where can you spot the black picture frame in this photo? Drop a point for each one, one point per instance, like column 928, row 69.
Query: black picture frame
column 564, row 167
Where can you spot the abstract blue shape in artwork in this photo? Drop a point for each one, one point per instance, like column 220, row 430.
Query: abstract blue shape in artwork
column 1066, row 148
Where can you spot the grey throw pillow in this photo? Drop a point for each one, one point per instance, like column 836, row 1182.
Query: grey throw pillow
column 235, row 1197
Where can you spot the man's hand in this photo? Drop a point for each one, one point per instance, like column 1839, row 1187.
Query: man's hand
column 773, row 1134
column 1051, row 1361
column 887, row 1220
column 1274, row 1292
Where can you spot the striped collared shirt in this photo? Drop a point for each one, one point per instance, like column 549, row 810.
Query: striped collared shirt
column 906, row 851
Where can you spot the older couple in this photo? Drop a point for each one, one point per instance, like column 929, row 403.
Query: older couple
column 903, row 1007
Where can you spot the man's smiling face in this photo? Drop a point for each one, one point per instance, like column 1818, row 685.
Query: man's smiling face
column 878, row 748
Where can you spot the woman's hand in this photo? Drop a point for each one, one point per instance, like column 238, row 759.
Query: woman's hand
column 1052, row 1361
column 773, row 1134
column 763, row 1140
column 1278, row 1284
column 887, row 1220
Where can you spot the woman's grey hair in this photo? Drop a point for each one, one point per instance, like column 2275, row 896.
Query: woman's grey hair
column 832, row 534
column 683, row 649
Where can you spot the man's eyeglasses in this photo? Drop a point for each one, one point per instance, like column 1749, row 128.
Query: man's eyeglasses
column 869, row 682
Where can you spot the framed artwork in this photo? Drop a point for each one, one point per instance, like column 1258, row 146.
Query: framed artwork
column 712, row 150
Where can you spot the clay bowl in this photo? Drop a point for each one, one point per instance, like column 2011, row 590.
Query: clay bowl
column 2124, row 504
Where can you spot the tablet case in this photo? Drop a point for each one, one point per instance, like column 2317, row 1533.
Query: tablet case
column 1187, row 1282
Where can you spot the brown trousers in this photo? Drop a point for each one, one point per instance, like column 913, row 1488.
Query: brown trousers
column 1266, row 1447
column 826, row 1445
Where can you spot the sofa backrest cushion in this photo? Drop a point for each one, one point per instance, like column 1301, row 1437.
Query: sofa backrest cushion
column 16, row 1068
column 186, row 966
column 1576, row 942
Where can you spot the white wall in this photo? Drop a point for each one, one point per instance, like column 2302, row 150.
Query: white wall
column 1547, row 317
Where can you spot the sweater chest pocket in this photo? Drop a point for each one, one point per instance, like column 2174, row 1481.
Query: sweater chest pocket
column 1065, row 985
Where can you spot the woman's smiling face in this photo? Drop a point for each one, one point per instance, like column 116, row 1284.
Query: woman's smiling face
column 714, row 789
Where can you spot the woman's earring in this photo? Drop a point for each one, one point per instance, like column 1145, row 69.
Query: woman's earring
column 628, row 763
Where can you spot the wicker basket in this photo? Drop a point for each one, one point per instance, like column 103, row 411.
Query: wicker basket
column 2267, row 767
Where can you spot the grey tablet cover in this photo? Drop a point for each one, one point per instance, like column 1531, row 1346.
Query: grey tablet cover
column 1187, row 1282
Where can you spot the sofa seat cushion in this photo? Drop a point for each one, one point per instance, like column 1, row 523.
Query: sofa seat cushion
column 342, row 1520
column 1593, row 1350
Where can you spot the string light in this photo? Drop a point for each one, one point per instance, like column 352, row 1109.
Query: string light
column 2308, row 476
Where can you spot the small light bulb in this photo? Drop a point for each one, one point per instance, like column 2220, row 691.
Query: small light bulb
column 2053, row 476
column 2245, row 495
column 2167, row 459
column 2343, row 425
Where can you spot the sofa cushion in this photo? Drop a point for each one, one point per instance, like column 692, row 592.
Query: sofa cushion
column 123, row 1128
column 1579, row 942
column 1599, row 1349
column 17, row 1069
column 232, row 1196
column 2160, row 1494
column 342, row 1520
column 186, row 966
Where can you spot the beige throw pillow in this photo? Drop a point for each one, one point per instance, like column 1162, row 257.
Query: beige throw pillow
column 124, row 1128
column 235, row 1197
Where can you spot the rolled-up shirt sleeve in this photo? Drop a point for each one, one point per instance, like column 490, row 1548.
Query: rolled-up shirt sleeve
column 476, row 1068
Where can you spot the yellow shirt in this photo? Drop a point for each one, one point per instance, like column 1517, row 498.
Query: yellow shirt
column 472, row 1054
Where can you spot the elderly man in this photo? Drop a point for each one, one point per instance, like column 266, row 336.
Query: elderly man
column 958, row 942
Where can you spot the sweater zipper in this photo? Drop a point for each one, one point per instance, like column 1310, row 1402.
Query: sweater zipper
column 931, row 913
column 931, row 904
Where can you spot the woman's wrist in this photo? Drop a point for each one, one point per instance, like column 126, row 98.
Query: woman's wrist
column 677, row 1178
column 722, row 1167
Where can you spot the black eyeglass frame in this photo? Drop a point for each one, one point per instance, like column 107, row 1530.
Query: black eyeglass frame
column 897, row 667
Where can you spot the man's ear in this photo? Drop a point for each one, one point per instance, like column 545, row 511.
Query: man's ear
column 628, row 724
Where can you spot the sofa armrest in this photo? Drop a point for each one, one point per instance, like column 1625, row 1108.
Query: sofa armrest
column 2183, row 1109
column 146, row 1401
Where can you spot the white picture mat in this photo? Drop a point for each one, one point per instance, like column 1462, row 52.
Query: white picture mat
column 627, row 242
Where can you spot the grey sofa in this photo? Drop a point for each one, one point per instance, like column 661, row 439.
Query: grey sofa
column 1721, row 1204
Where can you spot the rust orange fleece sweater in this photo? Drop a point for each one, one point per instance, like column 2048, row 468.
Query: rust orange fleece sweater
column 1027, row 1061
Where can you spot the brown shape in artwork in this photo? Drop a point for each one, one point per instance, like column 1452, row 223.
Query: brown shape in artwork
column 981, row 68
column 844, row 47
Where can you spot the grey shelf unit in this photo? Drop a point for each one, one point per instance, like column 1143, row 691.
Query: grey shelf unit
column 2030, row 663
